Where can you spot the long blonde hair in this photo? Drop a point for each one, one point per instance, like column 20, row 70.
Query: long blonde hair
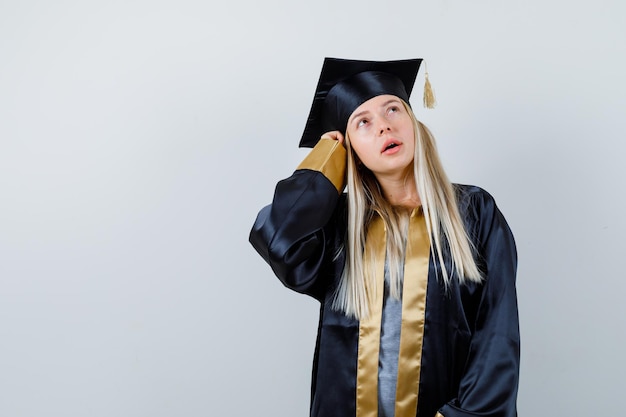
column 443, row 222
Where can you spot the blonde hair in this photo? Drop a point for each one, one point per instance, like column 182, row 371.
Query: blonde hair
column 443, row 222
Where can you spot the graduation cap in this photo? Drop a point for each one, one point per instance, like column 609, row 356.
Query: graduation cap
column 345, row 84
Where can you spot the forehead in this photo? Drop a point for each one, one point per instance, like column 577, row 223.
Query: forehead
column 375, row 103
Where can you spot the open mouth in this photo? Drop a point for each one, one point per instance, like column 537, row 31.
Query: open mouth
column 390, row 145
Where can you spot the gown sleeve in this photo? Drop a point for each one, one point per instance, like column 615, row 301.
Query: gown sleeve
column 291, row 233
column 488, row 387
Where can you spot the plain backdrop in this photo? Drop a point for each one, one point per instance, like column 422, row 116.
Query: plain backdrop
column 138, row 140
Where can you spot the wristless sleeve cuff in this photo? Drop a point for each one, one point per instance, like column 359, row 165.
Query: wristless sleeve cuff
column 329, row 158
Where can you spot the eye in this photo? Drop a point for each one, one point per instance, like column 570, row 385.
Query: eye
column 361, row 123
column 393, row 109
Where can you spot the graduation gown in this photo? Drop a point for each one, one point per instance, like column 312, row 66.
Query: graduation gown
column 459, row 349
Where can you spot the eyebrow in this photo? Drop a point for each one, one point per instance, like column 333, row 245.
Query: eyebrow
column 361, row 113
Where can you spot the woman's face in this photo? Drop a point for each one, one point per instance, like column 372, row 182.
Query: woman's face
column 381, row 133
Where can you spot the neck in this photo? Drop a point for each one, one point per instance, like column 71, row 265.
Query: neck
column 400, row 191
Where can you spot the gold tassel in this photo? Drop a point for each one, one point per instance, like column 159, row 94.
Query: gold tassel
column 429, row 96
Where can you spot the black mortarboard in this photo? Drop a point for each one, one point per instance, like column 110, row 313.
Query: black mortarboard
column 346, row 84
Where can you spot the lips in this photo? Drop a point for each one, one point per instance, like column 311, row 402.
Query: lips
column 390, row 144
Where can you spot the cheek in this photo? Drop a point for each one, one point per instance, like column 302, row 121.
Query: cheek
column 361, row 150
column 357, row 144
column 358, row 155
column 408, row 126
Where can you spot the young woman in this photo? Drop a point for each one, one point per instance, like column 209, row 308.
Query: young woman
column 415, row 275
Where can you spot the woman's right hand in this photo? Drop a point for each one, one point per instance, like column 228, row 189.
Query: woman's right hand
column 334, row 135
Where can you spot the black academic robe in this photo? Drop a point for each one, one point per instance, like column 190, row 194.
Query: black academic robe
column 469, row 362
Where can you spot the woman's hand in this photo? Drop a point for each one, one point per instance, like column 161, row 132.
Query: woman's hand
column 334, row 135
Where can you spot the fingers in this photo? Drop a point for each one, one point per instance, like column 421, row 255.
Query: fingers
column 333, row 135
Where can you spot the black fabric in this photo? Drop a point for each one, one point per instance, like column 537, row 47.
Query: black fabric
column 470, row 354
column 345, row 84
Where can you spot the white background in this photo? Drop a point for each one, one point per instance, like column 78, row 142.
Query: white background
column 138, row 139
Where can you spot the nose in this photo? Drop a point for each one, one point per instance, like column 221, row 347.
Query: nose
column 384, row 127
